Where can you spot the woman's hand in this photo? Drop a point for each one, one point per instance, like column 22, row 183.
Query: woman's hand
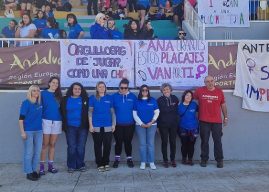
column 113, row 128
column 144, row 125
column 23, row 136
column 91, row 129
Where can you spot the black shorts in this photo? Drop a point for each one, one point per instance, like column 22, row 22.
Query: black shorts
column 27, row 1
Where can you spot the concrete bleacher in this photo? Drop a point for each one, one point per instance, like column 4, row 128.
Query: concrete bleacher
column 164, row 29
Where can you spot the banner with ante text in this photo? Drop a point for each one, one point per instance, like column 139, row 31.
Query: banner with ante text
column 90, row 61
column 224, row 13
column 180, row 63
column 221, row 65
column 29, row 65
column 252, row 75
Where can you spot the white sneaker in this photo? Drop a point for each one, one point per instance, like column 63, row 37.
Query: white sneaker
column 152, row 166
column 143, row 165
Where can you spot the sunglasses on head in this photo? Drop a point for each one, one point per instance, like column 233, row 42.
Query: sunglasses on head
column 123, row 88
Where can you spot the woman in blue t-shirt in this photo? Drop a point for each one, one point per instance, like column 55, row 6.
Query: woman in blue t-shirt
column 145, row 115
column 30, row 123
column 74, row 109
column 188, row 126
column 102, row 124
column 40, row 22
column 51, row 31
column 75, row 30
column 51, row 122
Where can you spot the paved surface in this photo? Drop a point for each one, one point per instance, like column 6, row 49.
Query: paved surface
column 236, row 176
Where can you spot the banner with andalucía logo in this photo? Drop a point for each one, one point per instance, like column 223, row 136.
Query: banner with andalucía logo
column 221, row 65
column 252, row 75
column 29, row 65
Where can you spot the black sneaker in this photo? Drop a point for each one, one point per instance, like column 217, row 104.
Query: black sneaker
column 116, row 164
column 203, row 163
column 220, row 164
column 36, row 175
column 30, row 177
column 130, row 163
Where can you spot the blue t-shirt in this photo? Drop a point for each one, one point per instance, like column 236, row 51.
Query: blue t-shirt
column 54, row 33
column 73, row 109
column 51, row 106
column 124, row 106
column 40, row 23
column 74, row 31
column 8, row 33
column 145, row 109
column 145, row 3
column 101, row 116
column 115, row 34
column 189, row 120
column 33, row 115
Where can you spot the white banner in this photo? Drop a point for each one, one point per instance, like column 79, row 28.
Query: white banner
column 180, row 63
column 90, row 61
column 252, row 75
column 224, row 13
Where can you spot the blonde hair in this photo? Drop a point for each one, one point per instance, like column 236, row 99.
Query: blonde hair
column 99, row 16
column 97, row 95
column 29, row 94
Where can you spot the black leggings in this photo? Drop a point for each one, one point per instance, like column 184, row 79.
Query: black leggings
column 187, row 146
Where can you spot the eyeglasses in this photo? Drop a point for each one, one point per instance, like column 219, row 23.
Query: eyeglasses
column 182, row 34
column 123, row 88
column 145, row 90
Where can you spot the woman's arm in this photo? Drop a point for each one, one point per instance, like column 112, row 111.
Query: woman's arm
column 113, row 119
column 17, row 33
column 91, row 129
column 81, row 35
column 138, row 120
column 31, row 33
column 23, row 134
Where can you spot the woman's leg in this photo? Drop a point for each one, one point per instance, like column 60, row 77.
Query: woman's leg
column 107, row 139
column 71, row 138
column 81, row 143
column 150, row 143
column 28, row 152
column 52, row 144
column 46, row 139
column 184, row 145
column 97, row 139
column 141, row 134
column 37, row 140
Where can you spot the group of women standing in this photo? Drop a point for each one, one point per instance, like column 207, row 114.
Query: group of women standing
column 44, row 116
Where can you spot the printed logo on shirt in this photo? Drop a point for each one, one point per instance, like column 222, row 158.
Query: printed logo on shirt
column 131, row 100
column 210, row 98
column 150, row 104
column 107, row 101
column 192, row 110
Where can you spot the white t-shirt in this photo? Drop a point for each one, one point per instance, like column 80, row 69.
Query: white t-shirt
column 24, row 32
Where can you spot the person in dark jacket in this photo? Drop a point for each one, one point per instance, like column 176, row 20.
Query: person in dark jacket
column 74, row 109
column 132, row 30
column 147, row 31
column 98, row 30
column 168, row 122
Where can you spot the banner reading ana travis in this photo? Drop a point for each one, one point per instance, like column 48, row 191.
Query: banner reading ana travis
column 90, row 61
column 29, row 65
column 180, row 63
column 221, row 65
column 252, row 75
column 225, row 13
